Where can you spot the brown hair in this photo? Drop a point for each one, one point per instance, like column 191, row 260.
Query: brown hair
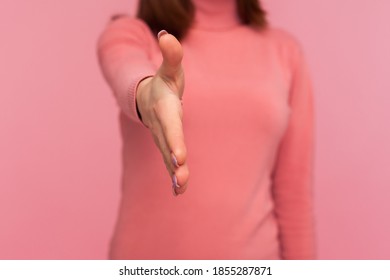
column 181, row 15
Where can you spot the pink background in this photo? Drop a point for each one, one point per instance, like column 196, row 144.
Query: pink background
column 59, row 134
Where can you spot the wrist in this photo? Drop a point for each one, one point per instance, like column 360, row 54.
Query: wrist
column 141, row 93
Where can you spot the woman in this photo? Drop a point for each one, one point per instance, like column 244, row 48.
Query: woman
column 246, row 112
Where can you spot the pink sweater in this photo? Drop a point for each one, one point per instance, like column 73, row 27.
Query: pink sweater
column 248, row 124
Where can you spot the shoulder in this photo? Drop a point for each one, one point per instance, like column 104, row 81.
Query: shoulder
column 129, row 23
column 282, row 38
column 123, row 25
column 287, row 45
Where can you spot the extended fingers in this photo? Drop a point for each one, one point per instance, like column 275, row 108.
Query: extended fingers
column 179, row 172
column 159, row 140
column 169, row 114
column 182, row 175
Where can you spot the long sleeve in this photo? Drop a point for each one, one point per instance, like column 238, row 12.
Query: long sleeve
column 293, row 173
column 123, row 51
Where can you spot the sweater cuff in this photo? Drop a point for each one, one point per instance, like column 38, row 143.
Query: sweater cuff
column 133, row 99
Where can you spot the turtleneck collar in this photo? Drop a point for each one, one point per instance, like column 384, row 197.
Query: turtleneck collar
column 215, row 14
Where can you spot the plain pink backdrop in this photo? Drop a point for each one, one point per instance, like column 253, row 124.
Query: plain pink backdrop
column 59, row 133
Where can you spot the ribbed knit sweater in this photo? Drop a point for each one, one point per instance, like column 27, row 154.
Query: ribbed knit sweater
column 248, row 126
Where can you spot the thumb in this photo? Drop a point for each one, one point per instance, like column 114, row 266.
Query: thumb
column 172, row 53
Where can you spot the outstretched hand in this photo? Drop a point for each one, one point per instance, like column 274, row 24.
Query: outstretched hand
column 159, row 103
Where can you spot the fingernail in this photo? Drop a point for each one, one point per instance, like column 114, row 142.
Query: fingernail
column 161, row 33
column 174, row 181
column 174, row 160
column 174, row 184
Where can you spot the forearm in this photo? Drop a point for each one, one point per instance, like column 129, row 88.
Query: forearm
column 295, row 215
column 122, row 51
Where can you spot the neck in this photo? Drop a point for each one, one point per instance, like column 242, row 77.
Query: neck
column 215, row 14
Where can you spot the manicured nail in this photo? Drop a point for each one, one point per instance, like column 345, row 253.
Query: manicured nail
column 174, row 181
column 161, row 33
column 174, row 184
column 174, row 160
